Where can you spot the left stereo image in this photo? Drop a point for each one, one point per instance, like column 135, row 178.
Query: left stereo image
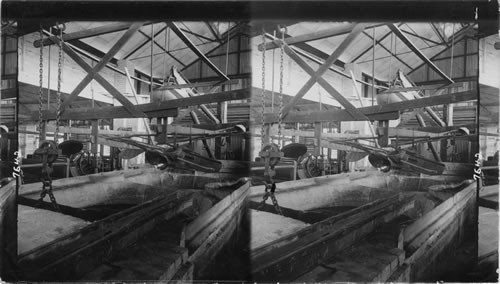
column 124, row 150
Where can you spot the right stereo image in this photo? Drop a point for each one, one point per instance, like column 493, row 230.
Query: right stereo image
column 374, row 152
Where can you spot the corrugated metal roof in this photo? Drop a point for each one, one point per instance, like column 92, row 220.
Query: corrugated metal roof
column 198, row 32
column 386, row 65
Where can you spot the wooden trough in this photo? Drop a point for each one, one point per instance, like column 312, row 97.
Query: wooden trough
column 137, row 224
column 8, row 231
column 361, row 227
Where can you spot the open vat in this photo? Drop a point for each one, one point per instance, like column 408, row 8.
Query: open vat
column 363, row 227
column 157, row 225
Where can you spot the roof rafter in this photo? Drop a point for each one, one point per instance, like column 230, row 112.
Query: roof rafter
column 438, row 33
column 195, row 49
column 235, row 30
column 371, row 45
column 421, row 37
column 390, row 52
column 161, row 47
column 422, row 56
column 143, row 43
column 214, row 31
column 111, row 28
column 198, row 35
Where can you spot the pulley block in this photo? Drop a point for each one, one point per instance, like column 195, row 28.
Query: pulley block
column 271, row 154
column 48, row 149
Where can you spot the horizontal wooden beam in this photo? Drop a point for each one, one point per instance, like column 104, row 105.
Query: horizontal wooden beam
column 111, row 28
column 156, row 109
column 332, row 115
column 194, row 85
column 81, row 130
column 415, row 49
column 326, row 33
column 379, row 112
column 422, row 88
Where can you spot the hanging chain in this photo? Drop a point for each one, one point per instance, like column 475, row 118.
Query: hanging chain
column 268, row 152
column 40, row 122
column 59, row 79
column 280, row 114
column 269, row 189
column 262, row 132
column 47, row 190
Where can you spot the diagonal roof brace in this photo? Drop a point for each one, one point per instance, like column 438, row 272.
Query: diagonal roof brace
column 195, row 49
column 97, row 31
column 415, row 49
column 93, row 73
column 323, row 68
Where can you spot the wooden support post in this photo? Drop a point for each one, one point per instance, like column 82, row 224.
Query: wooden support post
column 222, row 111
column 444, row 150
column 94, row 138
column 448, row 114
column 267, row 135
column 164, row 130
column 370, row 126
column 383, row 139
column 101, row 154
column 448, row 117
column 68, row 135
column 43, row 131
column 196, row 120
column 318, row 130
column 144, row 119
column 421, row 122
column 297, row 138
